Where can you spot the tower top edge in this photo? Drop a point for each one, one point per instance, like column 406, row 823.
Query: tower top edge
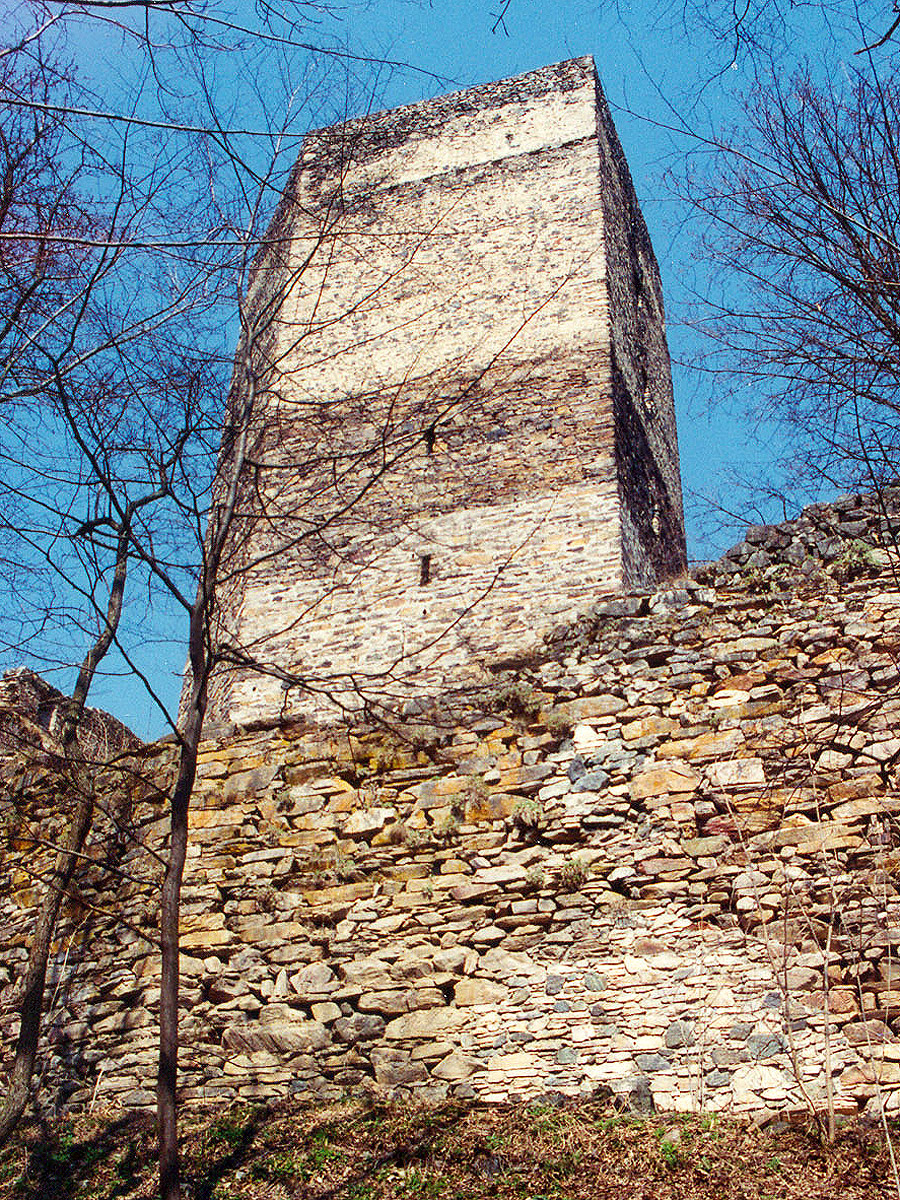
column 567, row 76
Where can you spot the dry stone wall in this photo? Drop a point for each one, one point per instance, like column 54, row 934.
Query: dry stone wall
column 31, row 712
column 847, row 537
column 463, row 399
column 661, row 859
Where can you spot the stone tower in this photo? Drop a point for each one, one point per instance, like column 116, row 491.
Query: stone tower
column 464, row 427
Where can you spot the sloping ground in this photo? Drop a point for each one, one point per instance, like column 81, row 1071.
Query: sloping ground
column 664, row 858
column 452, row 1151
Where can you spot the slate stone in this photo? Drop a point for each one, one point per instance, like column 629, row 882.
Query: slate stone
column 366, row 821
column 652, row 1062
column 455, row 1067
column 748, row 881
column 277, row 1037
column 325, row 1011
column 765, row 1045
column 479, row 991
column 388, row 1003
column 593, row 781
column 594, row 982
column 626, row 606
column 313, row 979
column 863, row 1033
column 741, row 1031
column 758, row 535
column 680, row 1033
column 426, row 1023
column 395, row 1066
column 567, row 1054
column 554, row 985
column 359, row 1028
column 622, row 760
column 576, row 769
column 798, row 978
column 717, row 1078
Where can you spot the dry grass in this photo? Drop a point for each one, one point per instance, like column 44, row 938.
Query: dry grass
column 369, row 1151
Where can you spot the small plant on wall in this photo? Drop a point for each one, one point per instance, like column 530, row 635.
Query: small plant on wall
column 516, row 698
column 559, row 724
column 529, row 815
column 476, row 791
column 573, row 874
column 535, row 878
column 447, row 828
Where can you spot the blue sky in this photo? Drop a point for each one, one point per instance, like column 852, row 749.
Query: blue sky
column 659, row 70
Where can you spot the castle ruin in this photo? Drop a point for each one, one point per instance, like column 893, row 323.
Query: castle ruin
column 670, row 875
column 464, row 417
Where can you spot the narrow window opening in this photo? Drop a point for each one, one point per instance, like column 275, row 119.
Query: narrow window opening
column 424, row 569
column 430, row 434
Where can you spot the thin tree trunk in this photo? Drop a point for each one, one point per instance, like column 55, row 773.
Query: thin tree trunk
column 18, row 1087
column 169, row 923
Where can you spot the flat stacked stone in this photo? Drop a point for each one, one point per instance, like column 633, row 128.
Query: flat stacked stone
column 660, row 859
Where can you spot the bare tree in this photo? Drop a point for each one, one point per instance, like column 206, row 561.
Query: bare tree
column 805, row 227
column 124, row 368
column 763, row 30
column 68, row 406
column 126, row 244
column 109, row 262
column 81, row 786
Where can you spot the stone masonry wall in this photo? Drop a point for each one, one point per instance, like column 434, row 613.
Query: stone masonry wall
column 464, row 399
column 646, row 442
column 662, row 859
column 844, row 537
column 30, row 719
